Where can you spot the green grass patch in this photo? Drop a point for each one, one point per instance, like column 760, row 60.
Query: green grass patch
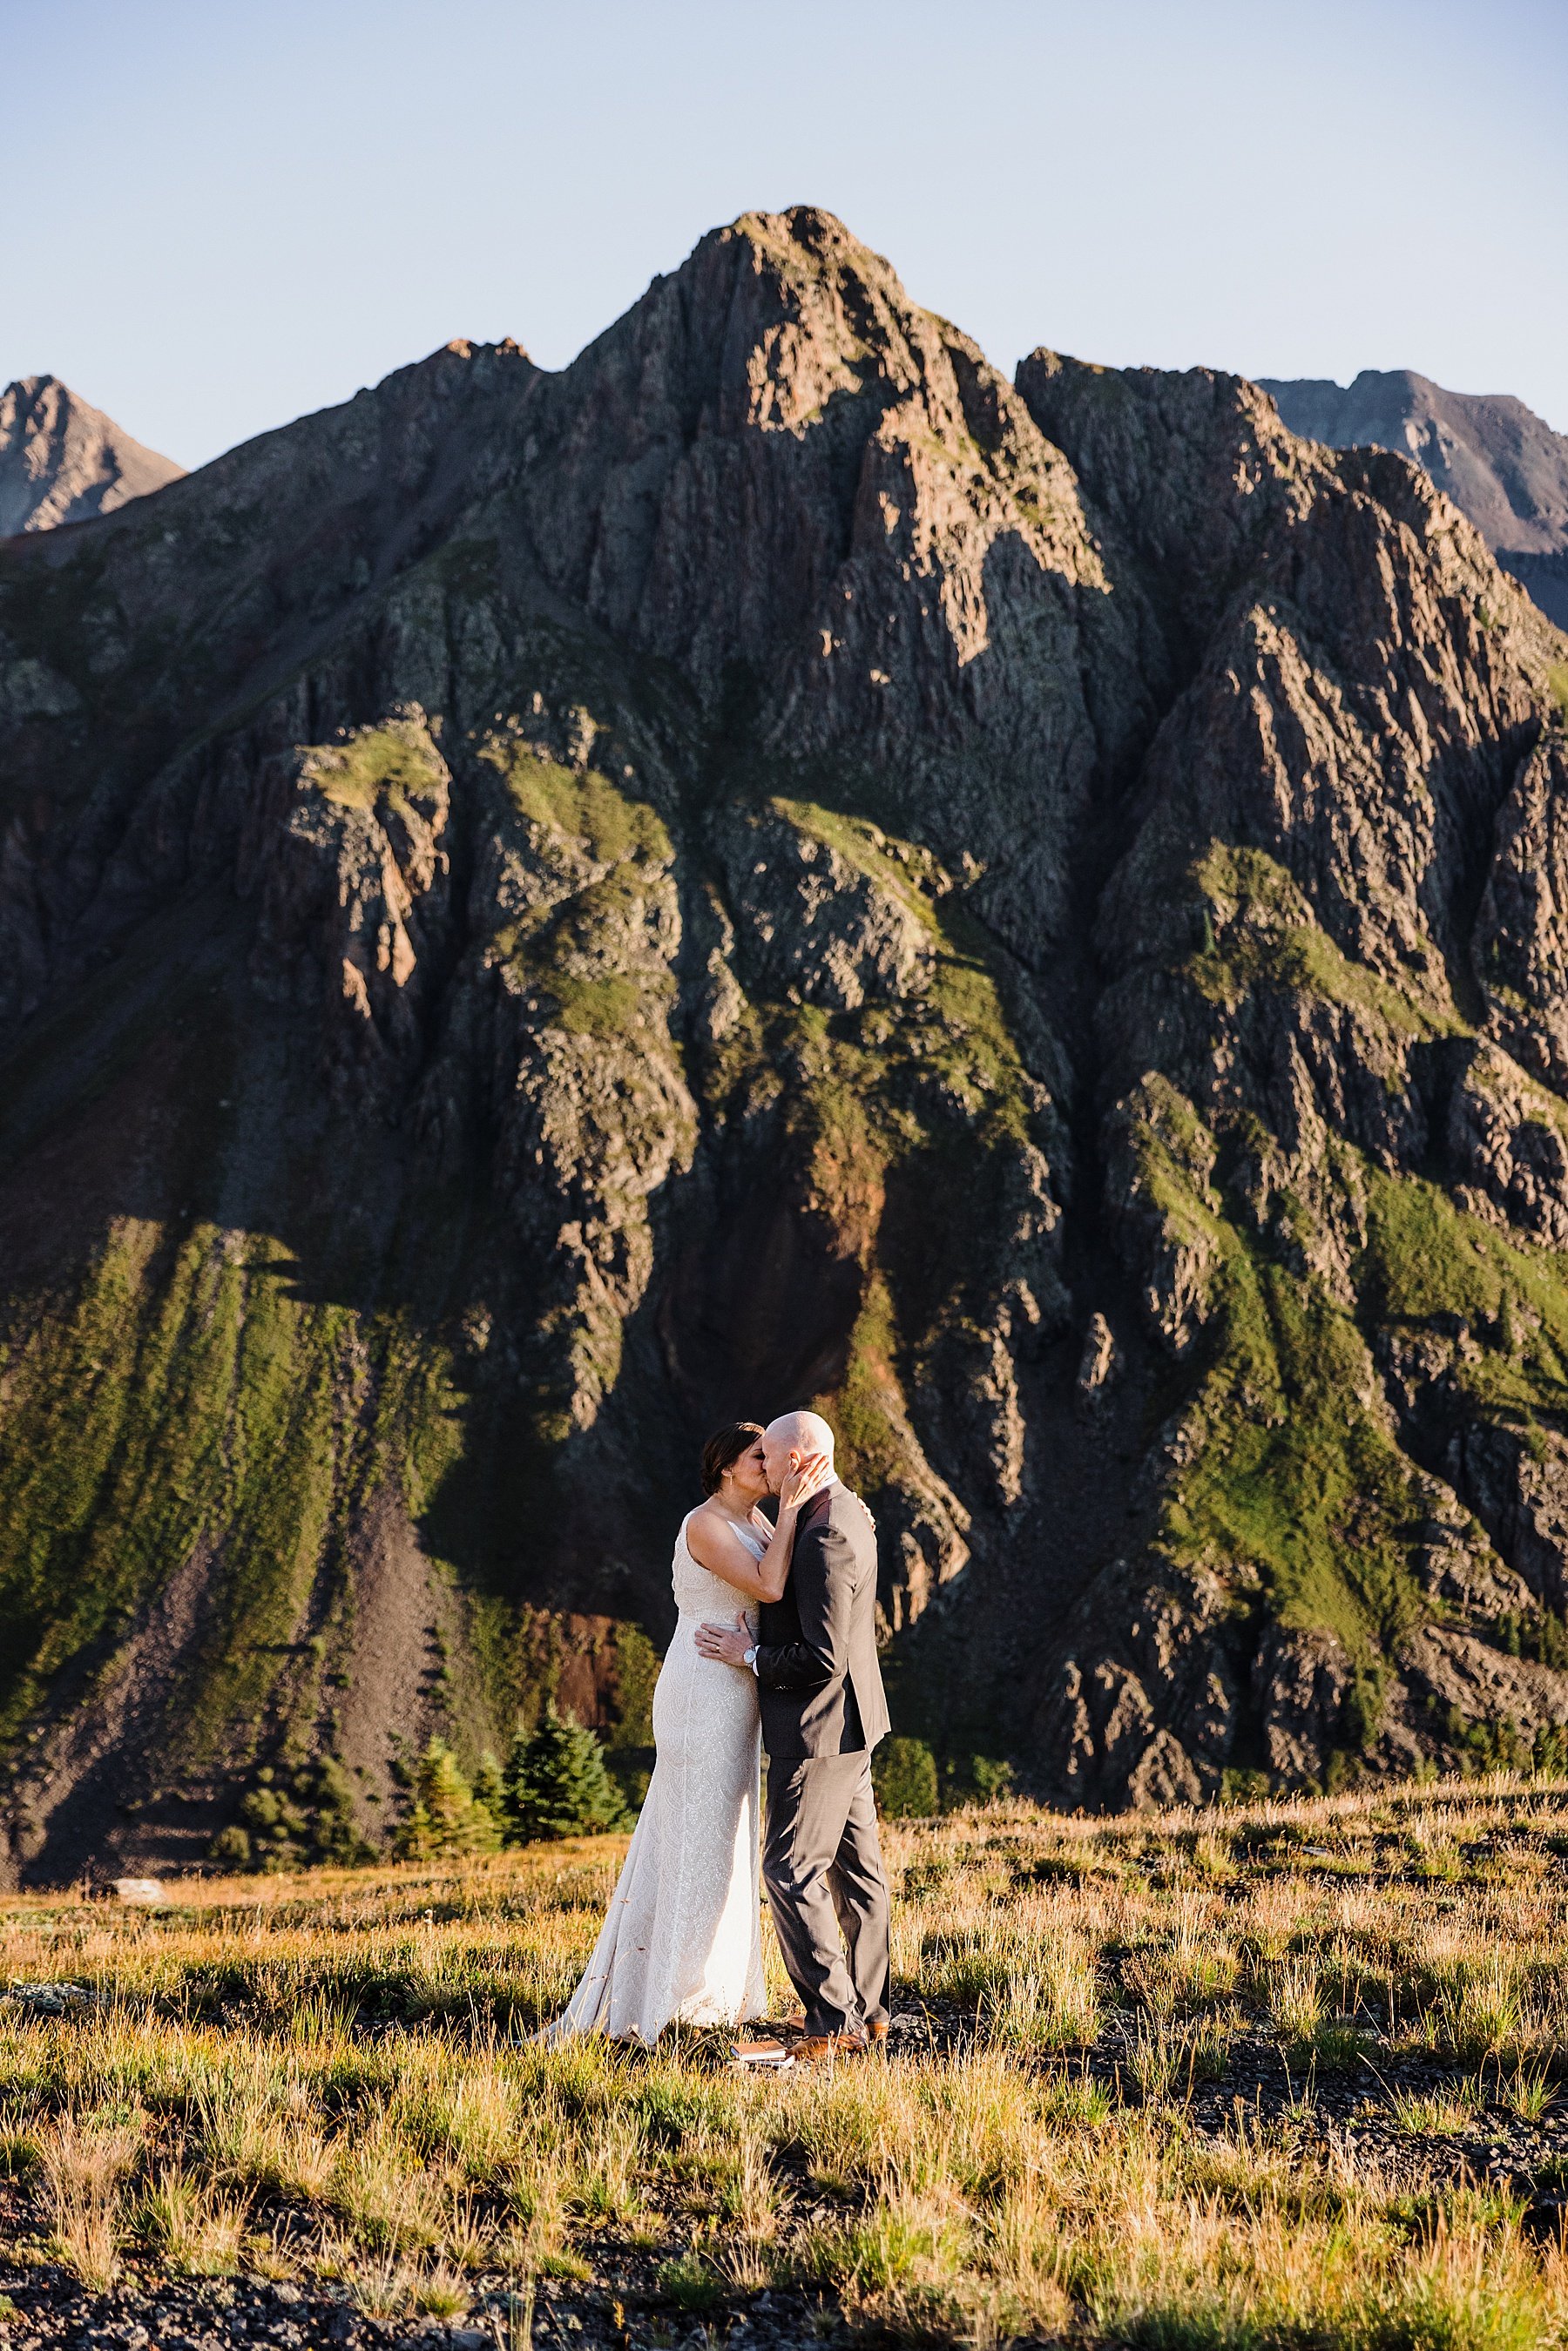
column 560, row 949
column 690, row 2282
column 969, row 1040
column 1259, row 932
column 1292, row 1473
column 187, row 1401
column 900, row 868
column 396, row 760
column 184, row 1397
column 605, row 1008
column 584, row 805
column 1295, row 1475
column 870, row 1398
column 1427, row 1261
column 959, row 1025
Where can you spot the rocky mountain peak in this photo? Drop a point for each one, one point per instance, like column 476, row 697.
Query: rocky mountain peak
column 856, row 460
column 1499, row 461
column 61, row 460
column 1501, row 464
column 542, row 911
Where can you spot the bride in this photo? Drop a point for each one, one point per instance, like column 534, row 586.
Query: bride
column 682, row 1940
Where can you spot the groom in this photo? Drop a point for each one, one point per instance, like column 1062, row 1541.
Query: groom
column 822, row 1712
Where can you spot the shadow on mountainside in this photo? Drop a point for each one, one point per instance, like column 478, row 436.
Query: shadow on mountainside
column 173, row 1163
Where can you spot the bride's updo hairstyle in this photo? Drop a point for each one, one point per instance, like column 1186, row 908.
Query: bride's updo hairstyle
column 724, row 1450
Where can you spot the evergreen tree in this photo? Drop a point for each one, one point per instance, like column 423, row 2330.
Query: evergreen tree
column 490, row 1790
column 557, row 1785
column 327, row 1792
column 445, row 1817
column 293, row 1816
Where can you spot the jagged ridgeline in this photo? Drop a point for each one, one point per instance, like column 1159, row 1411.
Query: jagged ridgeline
column 543, row 912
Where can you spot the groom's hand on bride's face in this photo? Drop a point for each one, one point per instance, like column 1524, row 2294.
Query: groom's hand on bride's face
column 808, row 1475
column 727, row 1643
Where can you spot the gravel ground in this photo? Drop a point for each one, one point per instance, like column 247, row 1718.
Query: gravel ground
column 1349, row 2109
column 49, row 2309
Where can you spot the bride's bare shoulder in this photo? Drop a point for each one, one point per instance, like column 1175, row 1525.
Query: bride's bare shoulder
column 714, row 1543
column 704, row 1527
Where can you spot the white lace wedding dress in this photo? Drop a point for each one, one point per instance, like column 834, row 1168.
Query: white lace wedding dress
column 682, row 1940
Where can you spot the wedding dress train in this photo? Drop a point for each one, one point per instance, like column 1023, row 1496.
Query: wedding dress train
column 682, row 1940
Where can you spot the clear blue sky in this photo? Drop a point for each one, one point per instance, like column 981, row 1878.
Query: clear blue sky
column 223, row 212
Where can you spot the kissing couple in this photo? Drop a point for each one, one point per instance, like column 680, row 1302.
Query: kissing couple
column 776, row 1647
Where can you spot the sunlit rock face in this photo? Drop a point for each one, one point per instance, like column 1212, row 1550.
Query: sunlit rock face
column 546, row 912
column 62, row 461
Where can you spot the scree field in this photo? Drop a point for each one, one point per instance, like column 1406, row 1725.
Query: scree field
column 1290, row 2074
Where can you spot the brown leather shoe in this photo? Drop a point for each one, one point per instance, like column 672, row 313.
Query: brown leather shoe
column 877, row 2035
column 817, row 2048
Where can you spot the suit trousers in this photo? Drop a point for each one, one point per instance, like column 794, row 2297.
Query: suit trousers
column 822, row 1864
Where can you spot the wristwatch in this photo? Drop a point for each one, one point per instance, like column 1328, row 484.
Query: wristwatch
column 750, row 1659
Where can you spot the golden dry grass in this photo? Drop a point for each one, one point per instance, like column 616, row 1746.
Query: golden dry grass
column 1281, row 2074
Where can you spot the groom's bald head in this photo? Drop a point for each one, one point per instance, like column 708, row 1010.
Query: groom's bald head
column 787, row 1442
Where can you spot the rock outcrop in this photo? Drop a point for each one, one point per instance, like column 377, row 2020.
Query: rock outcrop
column 542, row 912
column 61, row 460
column 1500, row 464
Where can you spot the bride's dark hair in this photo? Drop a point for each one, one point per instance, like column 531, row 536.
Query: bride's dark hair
column 724, row 1450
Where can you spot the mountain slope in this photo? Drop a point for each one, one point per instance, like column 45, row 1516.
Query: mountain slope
column 61, row 460
column 542, row 911
column 1498, row 461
